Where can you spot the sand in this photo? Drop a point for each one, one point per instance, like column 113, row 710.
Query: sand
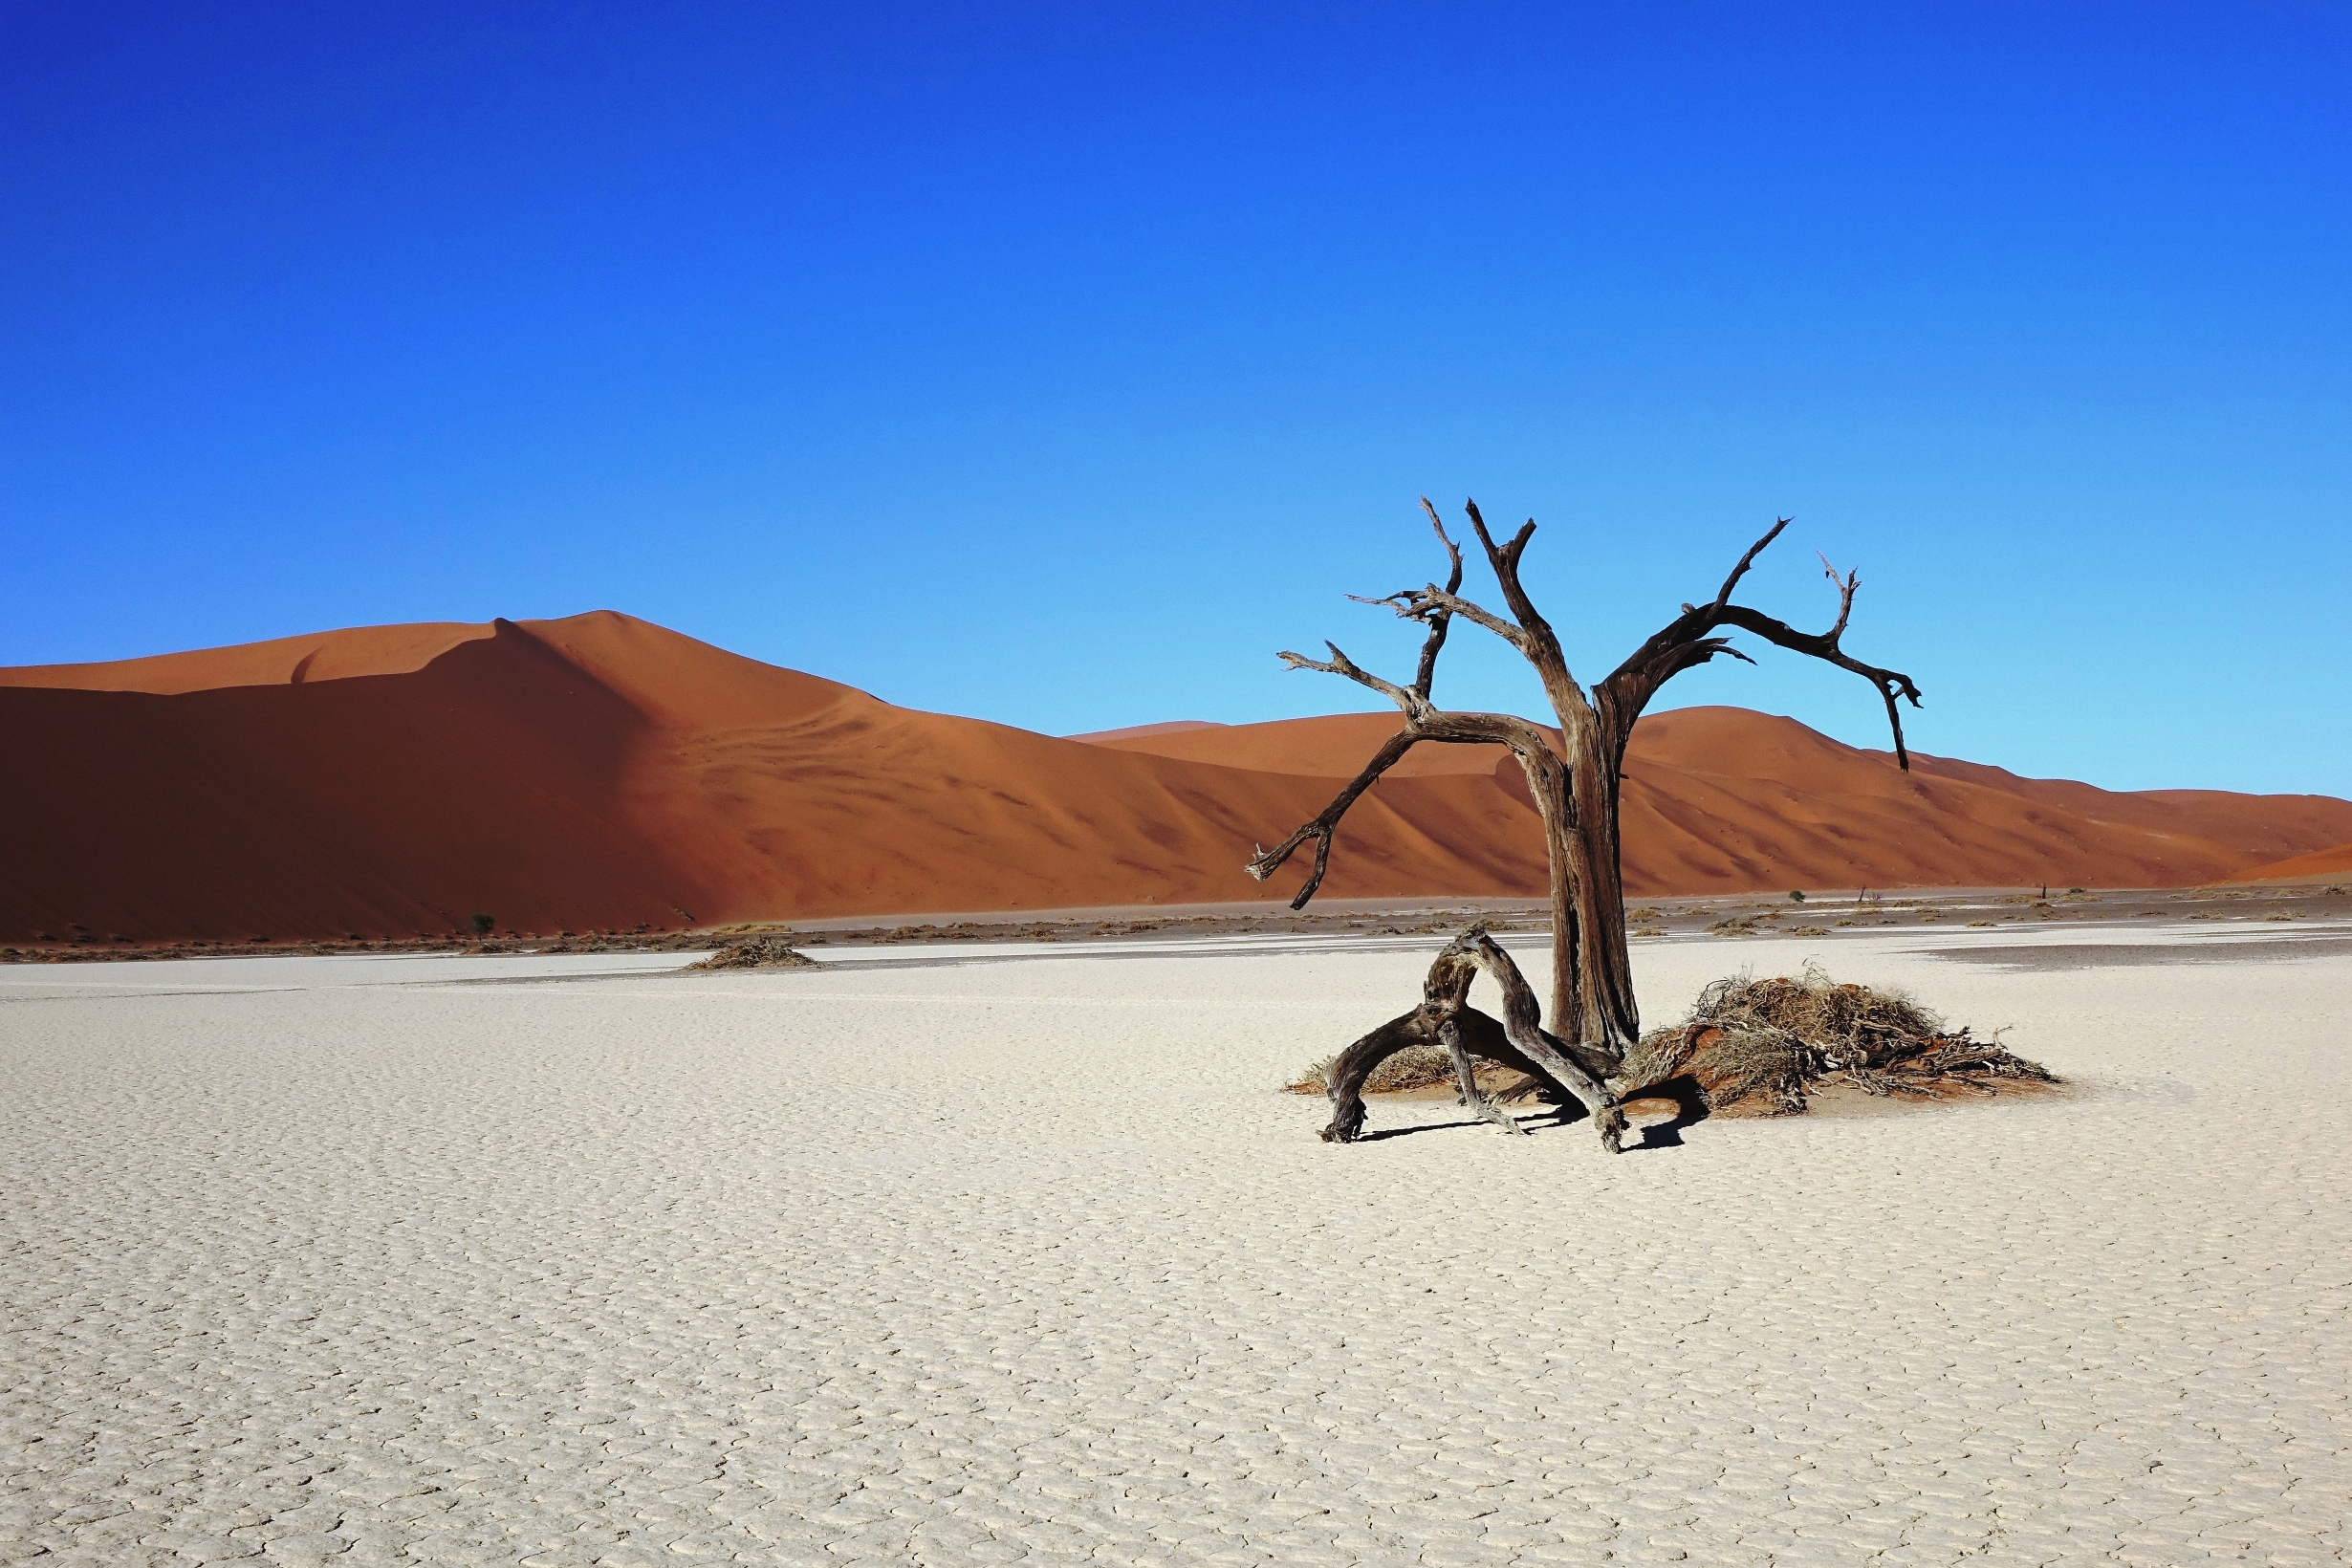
column 1018, row 1256
column 2328, row 864
column 599, row 774
column 1718, row 799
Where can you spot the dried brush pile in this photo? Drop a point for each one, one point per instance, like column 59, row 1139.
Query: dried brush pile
column 1749, row 1039
column 1763, row 1044
column 758, row 953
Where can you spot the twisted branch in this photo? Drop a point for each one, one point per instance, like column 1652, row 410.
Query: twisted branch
column 1421, row 721
column 1414, row 702
column 1522, row 1027
column 1435, row 608
column 1684, row 643
column 1268, row 860
column 1890, row 683
column 1746, row 561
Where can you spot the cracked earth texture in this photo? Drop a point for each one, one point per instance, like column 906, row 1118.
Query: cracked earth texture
column 364, row 1261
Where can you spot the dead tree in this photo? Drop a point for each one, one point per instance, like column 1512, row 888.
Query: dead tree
column 1596, row 1026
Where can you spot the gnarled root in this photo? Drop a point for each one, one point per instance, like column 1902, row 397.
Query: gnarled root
column 1480, row 1106
column 1479, row 1035
column 1444, row 1018
column 1580, row 1069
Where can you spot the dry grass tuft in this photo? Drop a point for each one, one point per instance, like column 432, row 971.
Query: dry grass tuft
column 1415, row 1067
column 1421, row 1067
column 756, row 954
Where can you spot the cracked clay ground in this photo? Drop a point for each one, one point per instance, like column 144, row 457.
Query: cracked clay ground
column 1022, row 1260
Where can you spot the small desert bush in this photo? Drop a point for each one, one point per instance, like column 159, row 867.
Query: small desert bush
column 1421, row 1067
column 756, row 954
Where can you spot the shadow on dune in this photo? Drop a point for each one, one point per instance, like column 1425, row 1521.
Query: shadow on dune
column 602, row 772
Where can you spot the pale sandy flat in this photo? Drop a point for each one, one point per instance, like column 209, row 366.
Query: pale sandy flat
column 571, row 1261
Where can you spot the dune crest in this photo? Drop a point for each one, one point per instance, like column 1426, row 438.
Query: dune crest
column 599, row 772
column 283, row 661
column 1134, row 731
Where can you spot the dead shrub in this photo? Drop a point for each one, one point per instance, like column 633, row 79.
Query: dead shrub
column 1423, row 1067
column 758, row 953
column 1745, row 1038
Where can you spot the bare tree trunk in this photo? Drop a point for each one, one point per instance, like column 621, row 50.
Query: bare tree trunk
column 1592, row 966
column 1548, row 785
column 1607, row 1017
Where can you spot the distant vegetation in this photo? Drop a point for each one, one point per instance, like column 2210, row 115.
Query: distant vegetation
column 758, row 953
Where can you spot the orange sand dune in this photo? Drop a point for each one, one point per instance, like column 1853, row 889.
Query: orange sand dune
column 2320, row 866
column 1724, row 799
column 599, row 772
column 1721, row 797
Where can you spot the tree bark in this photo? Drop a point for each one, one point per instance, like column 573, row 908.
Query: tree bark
column 1608, row 1015
column 1445, row 1019
column 1579, row 1069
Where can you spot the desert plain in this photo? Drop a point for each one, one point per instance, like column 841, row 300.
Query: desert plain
column 1014, row 1253
column 557, row 1089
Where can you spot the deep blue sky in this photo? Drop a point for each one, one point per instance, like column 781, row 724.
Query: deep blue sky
column 1058, row 364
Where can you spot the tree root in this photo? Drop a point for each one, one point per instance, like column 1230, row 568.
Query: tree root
column 1485, row 1109
column 1446, row 1020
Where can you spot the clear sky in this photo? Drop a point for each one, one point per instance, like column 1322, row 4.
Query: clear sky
column 1057, row 364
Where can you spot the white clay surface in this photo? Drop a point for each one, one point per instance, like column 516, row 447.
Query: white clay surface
column 422, row 1260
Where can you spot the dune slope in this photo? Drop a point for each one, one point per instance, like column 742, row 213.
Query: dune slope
column 2320, row 866
column 1724, row 799
column 600, row 772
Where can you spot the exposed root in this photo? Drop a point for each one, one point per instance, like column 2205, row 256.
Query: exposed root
column 1772, row 1040
column 1467, row 1092
column 1445, row 1028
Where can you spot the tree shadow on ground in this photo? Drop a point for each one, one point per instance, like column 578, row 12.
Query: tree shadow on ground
column 1551, row 1113
column 1690, row 1109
